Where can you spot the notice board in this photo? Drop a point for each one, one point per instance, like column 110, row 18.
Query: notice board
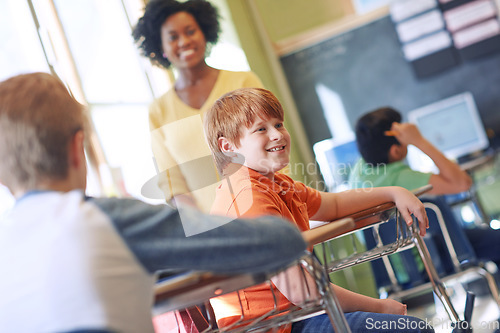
column 365, row 68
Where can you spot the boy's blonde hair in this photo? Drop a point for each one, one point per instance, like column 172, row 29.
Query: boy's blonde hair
column 38, row 119
column 234, row 110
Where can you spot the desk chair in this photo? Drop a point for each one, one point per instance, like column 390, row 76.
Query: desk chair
column 189, row 290
column 452, row 254
column 405, row 238
column 194, row 289
column 450, row 235
column 336, row 158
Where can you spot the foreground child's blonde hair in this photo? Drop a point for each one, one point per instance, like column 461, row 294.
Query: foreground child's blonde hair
column 38, row 118
column 234, row 110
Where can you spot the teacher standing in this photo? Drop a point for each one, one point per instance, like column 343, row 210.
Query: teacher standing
column 180, row 34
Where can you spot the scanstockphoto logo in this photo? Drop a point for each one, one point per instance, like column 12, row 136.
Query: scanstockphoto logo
column 401, row 324
column 198, row 176
column 193, row 175
column 203, row 180
column 442, row 324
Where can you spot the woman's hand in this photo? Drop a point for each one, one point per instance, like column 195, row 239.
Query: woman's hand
column 391, row 306
column 407, row 204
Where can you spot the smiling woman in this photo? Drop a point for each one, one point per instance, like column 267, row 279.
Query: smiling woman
column 179, row 34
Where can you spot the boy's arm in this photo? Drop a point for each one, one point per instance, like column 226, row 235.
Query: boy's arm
column 291, row 284
column 156, row 235
column 351, row 302
column 451, row 179
column 336, row 205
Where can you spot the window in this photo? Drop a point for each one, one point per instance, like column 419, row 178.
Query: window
column 21, row 53
column 88, row 44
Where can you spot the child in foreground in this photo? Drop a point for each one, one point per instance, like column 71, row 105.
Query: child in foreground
column 250, row 144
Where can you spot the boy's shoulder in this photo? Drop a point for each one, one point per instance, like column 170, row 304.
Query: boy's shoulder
column 245, row 192
column 242, row 179
column 246, row 178
column 247, row 181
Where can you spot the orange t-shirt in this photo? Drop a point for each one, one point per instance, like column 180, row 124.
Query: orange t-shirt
column 247, row 193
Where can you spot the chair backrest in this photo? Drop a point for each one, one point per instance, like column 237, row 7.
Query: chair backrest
column 448, row 247
column 335, row 158
column 453, row 240
column 405, row 264
column 304, row 276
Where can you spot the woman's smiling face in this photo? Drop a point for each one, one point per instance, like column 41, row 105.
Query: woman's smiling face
column 183, row 41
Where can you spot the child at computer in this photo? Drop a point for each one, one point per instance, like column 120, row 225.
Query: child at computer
column 71, row 263
column 383, row 144
column 383, row 141
column 245, row 132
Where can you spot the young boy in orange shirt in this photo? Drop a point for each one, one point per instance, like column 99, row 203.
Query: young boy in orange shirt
column 250, row 144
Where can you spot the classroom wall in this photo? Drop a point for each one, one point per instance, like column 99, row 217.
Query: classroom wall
column 364, row 69
column 286, row 18
column 266, row 28
column 291, row 26
column 264, row 62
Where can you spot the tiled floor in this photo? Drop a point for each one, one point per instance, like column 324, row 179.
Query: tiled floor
column 484, row 316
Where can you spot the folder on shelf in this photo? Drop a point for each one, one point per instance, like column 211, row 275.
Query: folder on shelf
column 419, row 26
column 476, row 33
column 427, row 45
column 404, row 9
column 469, row 14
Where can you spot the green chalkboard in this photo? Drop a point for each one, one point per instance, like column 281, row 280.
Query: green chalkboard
column 366, row 69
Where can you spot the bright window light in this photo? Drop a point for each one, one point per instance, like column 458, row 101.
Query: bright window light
column 495, row 224
column 116, row 82
column 467, row 214
column 21, row 49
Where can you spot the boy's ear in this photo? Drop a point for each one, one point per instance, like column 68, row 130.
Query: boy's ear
column 77, row 151
column 225, row 145
column 396, row 153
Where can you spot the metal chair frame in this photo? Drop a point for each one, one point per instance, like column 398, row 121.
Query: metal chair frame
column 406, row 238
column 458, row 268
column 197, row 288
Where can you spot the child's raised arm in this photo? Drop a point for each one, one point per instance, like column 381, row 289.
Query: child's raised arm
column 450, row 179
column 337, row 205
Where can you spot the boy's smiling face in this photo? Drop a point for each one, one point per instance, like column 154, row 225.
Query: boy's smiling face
column 265, row 146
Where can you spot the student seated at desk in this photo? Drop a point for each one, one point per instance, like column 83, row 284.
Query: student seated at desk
column 245, row 132
column 76, row 264
column 383, row 141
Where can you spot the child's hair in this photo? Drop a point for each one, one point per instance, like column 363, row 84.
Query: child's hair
column 147, row 32
column 234, row 110
column 373, row 144
column 38, row 119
